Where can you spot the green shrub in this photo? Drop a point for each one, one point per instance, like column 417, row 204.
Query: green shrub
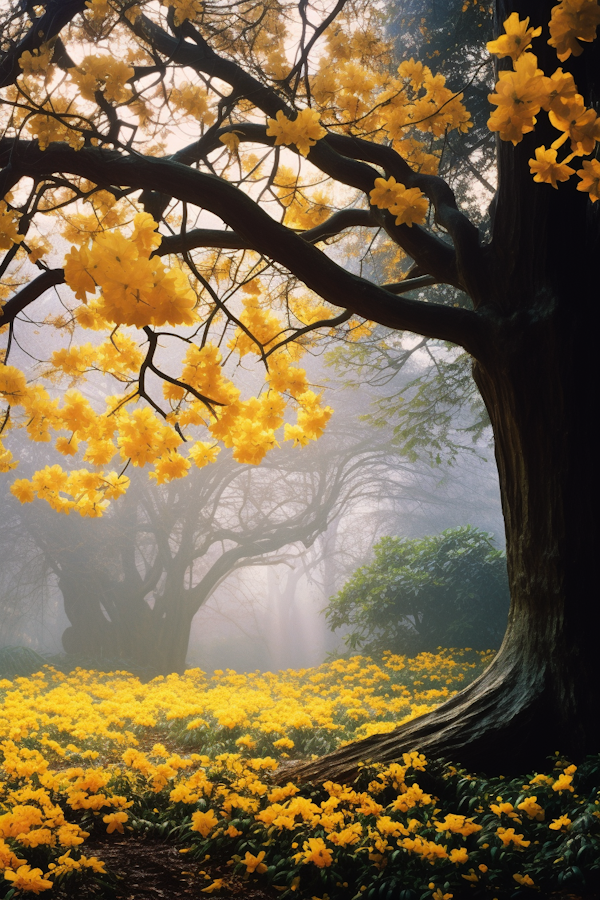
column 446, row 590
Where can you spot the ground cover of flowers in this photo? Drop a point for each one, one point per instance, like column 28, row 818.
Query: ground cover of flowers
column 89, row 759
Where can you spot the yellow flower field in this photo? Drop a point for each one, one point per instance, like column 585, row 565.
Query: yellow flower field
column 93, row 756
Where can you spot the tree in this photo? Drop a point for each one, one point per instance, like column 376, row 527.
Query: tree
column 29, row 608
column 133, row 581
column 79, row 127
column 447, row 590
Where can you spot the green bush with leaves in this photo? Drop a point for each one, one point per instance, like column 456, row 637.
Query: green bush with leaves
column 445, row 590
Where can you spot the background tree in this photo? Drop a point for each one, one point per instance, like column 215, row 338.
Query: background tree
column 86, row 130
column 265, row 614
column 447, row 590
column 133, row 581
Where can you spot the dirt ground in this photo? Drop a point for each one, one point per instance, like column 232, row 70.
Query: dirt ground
column 147, row 869
column 153, row 870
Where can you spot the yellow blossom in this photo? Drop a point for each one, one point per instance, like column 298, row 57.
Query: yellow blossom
column 216, row 885
column 545, row 168
column 562, row 822
column 516, row 39
column 315, row 851
column 590, row 183
column 304, row 131
column 525, row 880
column 204, row 822
column 231, row 141
column 28, row 879
column 563, row 783
column 532, row 808
column 572, row 21
column 508, row 836
column 255, row 863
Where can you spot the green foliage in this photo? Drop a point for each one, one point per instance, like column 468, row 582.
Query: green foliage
column 446, row 590
column 19, row 662
column 450, row 36
column 430, row 409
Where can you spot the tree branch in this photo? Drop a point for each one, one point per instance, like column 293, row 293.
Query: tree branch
column 433, row 254
column 268, row 237
column 465, row 236
column 29, row 293
column 58, row 13
column 229, row 240
column 314, row 38
column 198, row 237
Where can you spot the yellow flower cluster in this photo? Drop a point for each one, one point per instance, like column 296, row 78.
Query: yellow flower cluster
column 72, row 765
column 249, row 427
column 38, row 62
column 193, row 101
column 120, row 356
column 7, row 462
column 525, row 90
column 312, row 419
column 304, row 131
column 136, row 289
column 341, row 698
column 573, row 21
column 90, row 491
column 516, row 38
column 436, row 111
column 409, row 205
column 102, row 73
column 364, row 99
column 9, row 225
column 185, row 9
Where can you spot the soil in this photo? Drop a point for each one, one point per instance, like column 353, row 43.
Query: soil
column 145, row 869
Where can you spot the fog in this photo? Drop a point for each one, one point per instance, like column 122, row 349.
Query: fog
column 250, row 555
column 333, row 500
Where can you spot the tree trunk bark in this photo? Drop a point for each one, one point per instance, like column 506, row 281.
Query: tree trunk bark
column 538, row 379
column 173, row 625
column 540, row 693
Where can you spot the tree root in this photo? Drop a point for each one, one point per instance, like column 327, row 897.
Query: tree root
column 500, row 723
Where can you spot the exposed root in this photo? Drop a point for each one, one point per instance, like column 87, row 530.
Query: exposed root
column 498, row 724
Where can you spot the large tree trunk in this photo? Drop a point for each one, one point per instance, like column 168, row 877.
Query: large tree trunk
column 120, row 624
column 173, row 625
column 538, row 379
column 540, row 693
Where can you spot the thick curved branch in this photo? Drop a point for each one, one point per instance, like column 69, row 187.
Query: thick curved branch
column 410, row 284
column 201, row 57
column 266, row 236
column 29, row 293
column 58, row 13
column 197, row 238
column 464, row 234
column 229, row 240
column 432, row 254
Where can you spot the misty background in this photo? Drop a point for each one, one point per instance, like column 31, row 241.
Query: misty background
column 256, row 552
column 264, row 610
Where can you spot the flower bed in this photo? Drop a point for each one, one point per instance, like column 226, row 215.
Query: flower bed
column 99, row 757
